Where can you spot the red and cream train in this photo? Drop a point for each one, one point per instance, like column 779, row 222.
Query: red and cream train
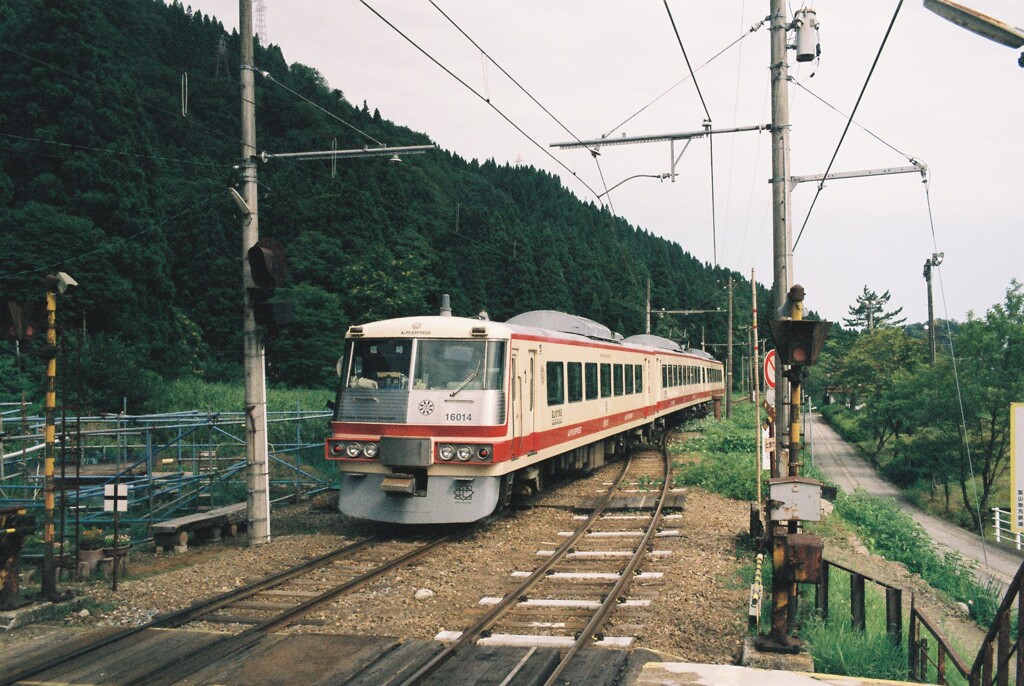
column 439, row 418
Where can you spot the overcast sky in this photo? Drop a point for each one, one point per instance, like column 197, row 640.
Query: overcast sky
column 939, row 94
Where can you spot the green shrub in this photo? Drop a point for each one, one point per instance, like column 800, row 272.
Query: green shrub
column 890, row 532
column 728, row 474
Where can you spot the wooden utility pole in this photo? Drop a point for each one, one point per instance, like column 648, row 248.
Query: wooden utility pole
column 256, row 459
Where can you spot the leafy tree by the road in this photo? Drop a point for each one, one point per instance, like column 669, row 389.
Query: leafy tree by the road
column 879, row 371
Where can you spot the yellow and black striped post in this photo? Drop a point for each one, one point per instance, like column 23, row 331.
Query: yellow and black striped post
column 49, row 579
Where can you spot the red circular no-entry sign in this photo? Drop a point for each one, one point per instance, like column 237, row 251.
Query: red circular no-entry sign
column 769, row 368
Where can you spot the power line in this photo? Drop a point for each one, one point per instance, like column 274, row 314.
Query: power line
column 477, row 94
column 270, row 78
column 106, row 151
column 112, row 244
column 849, row 121
column 98, row 84
column 707, row 123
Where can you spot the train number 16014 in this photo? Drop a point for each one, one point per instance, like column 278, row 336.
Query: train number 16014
column 458, row 417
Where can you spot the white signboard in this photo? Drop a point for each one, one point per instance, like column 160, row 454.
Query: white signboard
column 1017, row 467
column 767, row 446
column 115, row 499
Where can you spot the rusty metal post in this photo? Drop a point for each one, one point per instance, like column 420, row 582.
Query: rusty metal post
column 894, row 614
column 986, row 664
column 1020, row 639
column 781, row 588
column 1003, row 651
column 940, row 666
column 922, row 660
column 857, row 602
column 912, row 640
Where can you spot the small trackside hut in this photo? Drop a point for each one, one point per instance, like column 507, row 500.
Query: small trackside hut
column 440, row 419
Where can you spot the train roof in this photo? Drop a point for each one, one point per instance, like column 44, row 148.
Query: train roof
column 549, row 323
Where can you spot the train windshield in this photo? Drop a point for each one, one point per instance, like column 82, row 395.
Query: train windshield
column 459, row 365
column 379, row 363
column 440, row 364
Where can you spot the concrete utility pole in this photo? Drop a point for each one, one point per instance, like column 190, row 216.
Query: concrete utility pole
column 782, row 240
column 728, row 362
column 934, row 261
column 257, row 464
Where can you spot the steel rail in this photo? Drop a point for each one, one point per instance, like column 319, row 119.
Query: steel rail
column 589, row 632
column 189, row 614
column 211, row 653
column 488, row 620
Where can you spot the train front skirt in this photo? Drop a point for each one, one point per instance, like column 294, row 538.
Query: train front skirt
column 448, row 500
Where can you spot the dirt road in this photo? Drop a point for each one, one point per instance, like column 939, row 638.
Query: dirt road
column 841, row 463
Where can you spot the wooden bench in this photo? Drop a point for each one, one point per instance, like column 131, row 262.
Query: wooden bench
column 203, row 526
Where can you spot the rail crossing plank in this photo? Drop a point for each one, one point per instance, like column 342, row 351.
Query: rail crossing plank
column 53, row 645
column 117, row 663
column 632, row 501
column 594, row 666
column 298, row 659
column 394, row 666
column 493, row 664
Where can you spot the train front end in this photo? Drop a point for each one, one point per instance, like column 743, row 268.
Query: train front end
column 420, row 429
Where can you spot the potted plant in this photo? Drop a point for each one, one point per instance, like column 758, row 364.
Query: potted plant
column 110, row 546
column 91, row 539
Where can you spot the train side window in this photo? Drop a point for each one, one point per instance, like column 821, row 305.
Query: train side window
column 638, row 373
column 664, row 376
column 556, row 383
column 574, row 375
column 679, row 375
column 628, row 371
column 590, row 377
column 617, row 379
column 606, row 379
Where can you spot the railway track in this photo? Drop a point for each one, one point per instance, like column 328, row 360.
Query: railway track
column 540, row 632
column 267, row 605
column 566, row 579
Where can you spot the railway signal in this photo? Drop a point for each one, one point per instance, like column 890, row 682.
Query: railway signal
column 268, row 268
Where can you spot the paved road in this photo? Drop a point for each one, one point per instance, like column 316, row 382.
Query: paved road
column 841, row 463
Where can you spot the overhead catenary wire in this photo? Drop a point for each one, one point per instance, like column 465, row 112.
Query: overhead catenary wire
column 849, row 121
column 680, row 82
column 477, row 94
column 707, row 123
column 484, row 55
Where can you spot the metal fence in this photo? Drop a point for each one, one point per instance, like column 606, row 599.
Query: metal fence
column 172, row 463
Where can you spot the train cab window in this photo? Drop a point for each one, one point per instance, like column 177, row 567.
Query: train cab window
column 606, row 380
column 574, row 377
column 459, row 364
column 590, row 377
column 638, row 374
column 628, row 372
column 556, row 383
column 379, row 363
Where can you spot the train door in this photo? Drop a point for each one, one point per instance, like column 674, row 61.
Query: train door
column 522, row 402
column 529, row 390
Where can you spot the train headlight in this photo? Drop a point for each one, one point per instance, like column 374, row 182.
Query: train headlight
column 353, row 449
column 370, row 450
column 465, row 453
column 337, row 449
column 484, row 453
column 446, row 452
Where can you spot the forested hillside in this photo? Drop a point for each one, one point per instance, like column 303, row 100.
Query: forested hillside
column 106, row 173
